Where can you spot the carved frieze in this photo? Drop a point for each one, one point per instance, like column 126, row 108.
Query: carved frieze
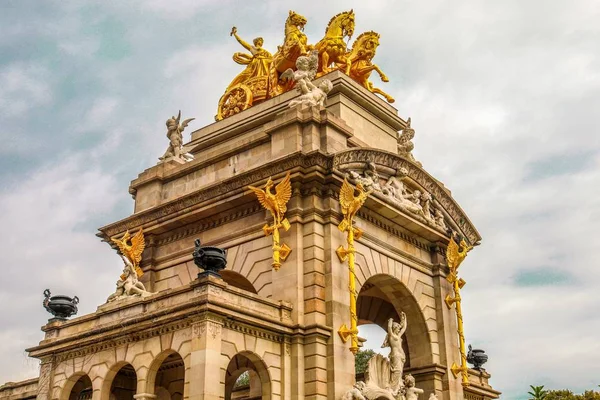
column 443, row 208
column 348, row 159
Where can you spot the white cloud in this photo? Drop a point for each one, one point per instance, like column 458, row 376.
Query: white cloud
column 50, row 244
column 23, row 86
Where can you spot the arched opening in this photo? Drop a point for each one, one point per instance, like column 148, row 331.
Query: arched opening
column 77, row 387
column 383, row 297
column 167, row 376
column 123, row 385
column 247, row 378
column 237, row 280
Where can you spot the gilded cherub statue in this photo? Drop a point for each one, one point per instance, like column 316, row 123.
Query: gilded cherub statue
column 276, row 203
column 174, row 133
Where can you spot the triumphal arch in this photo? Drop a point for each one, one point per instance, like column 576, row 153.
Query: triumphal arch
column 307, row 186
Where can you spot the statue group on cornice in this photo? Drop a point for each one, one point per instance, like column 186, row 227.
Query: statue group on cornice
column 415, row 201
column 265, row 73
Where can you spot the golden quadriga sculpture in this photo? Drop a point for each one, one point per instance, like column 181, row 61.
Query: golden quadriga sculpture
column 455, row 254
column 276, row 203
column 131, row 249
column 350, row 203
column 264, row 78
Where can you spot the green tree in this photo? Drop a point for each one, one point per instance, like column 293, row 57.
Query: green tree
column 538, row 392
column 361, row 359
column 564, row 394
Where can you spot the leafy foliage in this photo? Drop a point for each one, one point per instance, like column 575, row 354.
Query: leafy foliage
column 242, row 380
column 538, row 393
column 566, row 394
column 361, row 359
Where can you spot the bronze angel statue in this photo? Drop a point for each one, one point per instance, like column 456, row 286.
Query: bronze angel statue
column 276, row 203
column 132, row 248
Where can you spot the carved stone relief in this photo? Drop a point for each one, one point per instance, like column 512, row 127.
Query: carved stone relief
column 397, row 191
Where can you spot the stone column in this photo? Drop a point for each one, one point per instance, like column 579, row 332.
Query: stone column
column 205, row 364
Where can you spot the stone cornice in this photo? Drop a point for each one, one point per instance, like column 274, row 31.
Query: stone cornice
column 238, row 184
column 226, row 187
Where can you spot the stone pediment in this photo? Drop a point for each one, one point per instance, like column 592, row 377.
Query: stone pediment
column 386, row 166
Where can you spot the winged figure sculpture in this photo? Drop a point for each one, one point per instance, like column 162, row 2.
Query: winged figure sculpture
column 350, row 202
column 276, row 202
column 456, row 253
column 131, row 248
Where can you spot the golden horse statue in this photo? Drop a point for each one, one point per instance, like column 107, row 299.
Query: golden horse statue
column 360, row 58
column 294, row 45
column 332, row 48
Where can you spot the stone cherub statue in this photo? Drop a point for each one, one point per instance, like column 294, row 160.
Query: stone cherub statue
column 128, row 285
column 306, row 70
column 410, row 391
column 174, row 133
column 369, row 178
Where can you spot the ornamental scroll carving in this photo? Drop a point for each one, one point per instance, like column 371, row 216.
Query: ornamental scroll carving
column 405, row 185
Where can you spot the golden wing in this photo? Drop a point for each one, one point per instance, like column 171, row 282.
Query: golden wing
column 137, row 247
column 122, row 243
column 262, row 198
column 346, row 196
column 283, row 193
column 452, row 257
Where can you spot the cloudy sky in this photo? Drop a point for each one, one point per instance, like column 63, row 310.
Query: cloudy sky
column 504, row 98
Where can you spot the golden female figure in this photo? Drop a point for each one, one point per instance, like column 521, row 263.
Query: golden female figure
column 257, row 62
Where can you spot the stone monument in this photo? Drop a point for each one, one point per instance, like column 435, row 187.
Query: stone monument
column 364, row 229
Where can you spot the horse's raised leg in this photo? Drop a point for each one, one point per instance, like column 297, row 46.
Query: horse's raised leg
column 389, row 98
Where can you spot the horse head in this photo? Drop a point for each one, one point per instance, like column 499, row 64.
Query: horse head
column 295, row 20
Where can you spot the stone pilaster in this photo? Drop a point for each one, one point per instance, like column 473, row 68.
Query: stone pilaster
column 205, row 365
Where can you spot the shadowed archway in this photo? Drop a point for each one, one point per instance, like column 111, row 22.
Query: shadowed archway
column 259, row 378
column 77, row 387
column 382, row 297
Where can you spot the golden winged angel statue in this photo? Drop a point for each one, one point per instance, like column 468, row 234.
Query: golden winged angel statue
column 350, row 203
column 132, row 248
column 456, row 253
column 276, row 203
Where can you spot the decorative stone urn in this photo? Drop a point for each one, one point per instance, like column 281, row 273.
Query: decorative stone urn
column 62, row 307
column 477, row 357
column 210, row 259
